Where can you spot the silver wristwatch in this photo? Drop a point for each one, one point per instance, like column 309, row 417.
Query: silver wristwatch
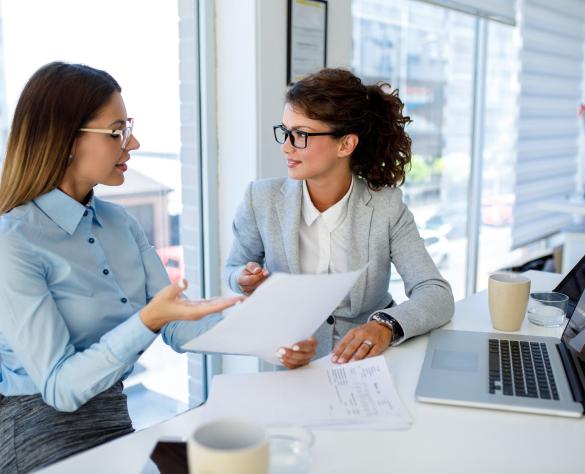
column 391, row 323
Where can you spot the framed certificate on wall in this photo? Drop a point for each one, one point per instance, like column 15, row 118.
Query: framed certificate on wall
column 307, row 38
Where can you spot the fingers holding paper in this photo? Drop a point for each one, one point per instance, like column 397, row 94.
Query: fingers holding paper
column 251, row 277
column 367, row 340
column 299, row 354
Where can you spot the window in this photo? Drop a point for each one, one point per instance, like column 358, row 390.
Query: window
column 118, row 37
column 427, row 53
column 499, row 158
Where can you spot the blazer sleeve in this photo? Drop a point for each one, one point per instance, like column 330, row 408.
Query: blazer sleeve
column 247, row 245
column 430, row 302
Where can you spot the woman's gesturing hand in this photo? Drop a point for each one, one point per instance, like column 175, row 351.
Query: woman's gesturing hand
column 168, row 305
column 251, row 277
column 367, row 340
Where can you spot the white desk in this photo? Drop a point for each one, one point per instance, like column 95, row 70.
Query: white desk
column 442, row 438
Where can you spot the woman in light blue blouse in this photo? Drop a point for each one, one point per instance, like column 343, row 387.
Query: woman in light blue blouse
column 82, row 292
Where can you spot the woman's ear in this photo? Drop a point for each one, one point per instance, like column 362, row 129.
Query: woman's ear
column 72, row 151
column 348, row 145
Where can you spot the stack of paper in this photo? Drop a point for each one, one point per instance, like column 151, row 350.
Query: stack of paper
column 282, row 311
column 357, row 395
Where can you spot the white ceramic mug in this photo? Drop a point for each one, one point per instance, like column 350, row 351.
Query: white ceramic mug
column 508, row 297
column 228, row 446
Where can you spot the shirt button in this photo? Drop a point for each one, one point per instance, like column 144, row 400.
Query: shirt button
column 105, row 271
column 85, row 214
column 91, row 240
column 124, row 300
column 330, row 320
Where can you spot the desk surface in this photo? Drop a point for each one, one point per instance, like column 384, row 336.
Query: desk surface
column 442, row 438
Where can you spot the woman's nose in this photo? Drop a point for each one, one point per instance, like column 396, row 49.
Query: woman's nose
column 133, row 144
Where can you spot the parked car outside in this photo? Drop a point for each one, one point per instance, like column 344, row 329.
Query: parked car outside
column 449, row 222
column 438, row 224
column 497, row 210
column 172, row 259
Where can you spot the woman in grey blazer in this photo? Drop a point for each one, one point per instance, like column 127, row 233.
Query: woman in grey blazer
column 340, row 209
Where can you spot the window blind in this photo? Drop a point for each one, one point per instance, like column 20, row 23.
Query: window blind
column 551, row 67
column 503, row 11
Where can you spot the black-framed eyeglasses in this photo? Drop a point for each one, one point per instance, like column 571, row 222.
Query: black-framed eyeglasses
column 298, row 138
column 124, row 134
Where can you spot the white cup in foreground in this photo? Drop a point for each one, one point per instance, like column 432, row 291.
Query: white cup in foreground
column 228, row 446
column 508, row 298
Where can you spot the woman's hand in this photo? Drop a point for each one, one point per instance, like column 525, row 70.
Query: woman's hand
column 299, row 354
column 168, row 305
column 251, row 277
column 367, row 340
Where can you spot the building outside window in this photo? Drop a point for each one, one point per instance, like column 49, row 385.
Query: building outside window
column 499, row 158
column 428, row 53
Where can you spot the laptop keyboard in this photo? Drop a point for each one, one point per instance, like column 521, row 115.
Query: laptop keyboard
column 521, row 369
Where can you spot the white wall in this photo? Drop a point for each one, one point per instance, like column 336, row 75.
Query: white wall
column 271, row 36
column 251, row 83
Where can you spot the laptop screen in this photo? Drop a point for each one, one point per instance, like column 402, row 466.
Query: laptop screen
column 574, row 338
column 574, row 334
column 573, row 285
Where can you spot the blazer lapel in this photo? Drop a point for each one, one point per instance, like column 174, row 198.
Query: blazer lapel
column 360, row 215
column 288, row 209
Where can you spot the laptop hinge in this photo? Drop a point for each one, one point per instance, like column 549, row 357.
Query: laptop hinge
column 571, row 372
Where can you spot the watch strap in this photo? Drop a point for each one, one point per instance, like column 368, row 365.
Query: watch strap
column 390, row 322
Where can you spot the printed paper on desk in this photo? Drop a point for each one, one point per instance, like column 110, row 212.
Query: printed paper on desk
column 357, row 395
column 287, row 308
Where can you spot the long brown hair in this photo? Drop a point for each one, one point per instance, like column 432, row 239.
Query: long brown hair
column 57, row 100
column 374, row 113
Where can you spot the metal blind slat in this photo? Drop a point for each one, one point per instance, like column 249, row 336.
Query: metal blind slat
column 549, row 19
column 550, row 89
column 499, row 10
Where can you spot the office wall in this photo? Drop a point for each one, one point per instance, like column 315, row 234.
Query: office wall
column 251, row 82
column 251, row 39
column 272, row 43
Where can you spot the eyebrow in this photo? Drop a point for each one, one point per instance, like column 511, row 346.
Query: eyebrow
column 299, row 126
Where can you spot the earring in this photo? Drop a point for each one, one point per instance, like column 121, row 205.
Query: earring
column 70, row 157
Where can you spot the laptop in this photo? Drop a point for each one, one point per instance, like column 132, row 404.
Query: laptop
column 512, row 372
column 573, row 285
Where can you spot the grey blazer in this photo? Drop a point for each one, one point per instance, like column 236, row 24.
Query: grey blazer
column 266, row 230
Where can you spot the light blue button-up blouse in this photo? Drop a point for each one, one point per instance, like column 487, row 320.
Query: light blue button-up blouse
column 73, row 279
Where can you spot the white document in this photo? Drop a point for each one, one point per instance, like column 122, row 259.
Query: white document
column 357, row 395
column 285, row 309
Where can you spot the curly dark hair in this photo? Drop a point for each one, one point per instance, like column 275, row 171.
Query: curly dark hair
column 374, row 113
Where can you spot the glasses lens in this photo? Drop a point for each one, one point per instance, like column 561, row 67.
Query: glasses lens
column 127, row 133
column 280, row 134
column 298, row 139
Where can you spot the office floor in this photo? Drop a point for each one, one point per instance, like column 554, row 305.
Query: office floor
column 157, row 389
